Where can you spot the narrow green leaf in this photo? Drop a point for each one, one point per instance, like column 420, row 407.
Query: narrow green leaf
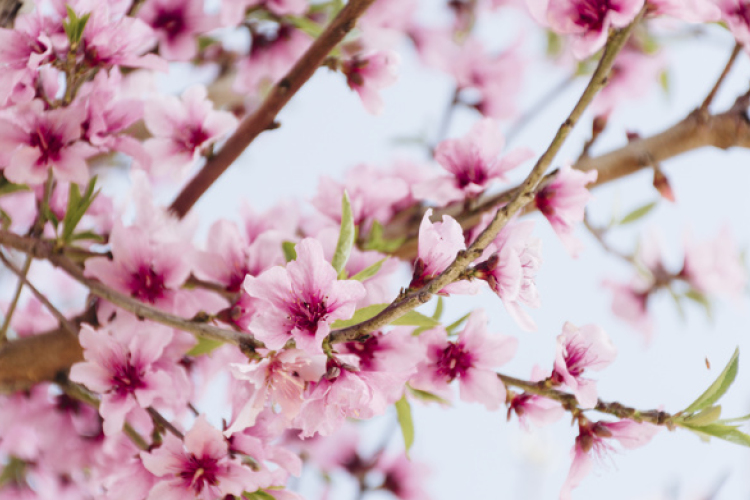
column 403, row 410
column 204, row 346
column 438, row 310
column 346, row 235
column 735, row 420
column 726, row 432
column 376, row 241
column 77, row 207
column 427, row 396
column 290, row 252
column 7, row 187
column 369, row 271
column 719, row 387
column 413, row 318
column 87, row 235
column 704, row 417
column 360, row 315
column 638, row 213
column 450, row 328
column 258, row 495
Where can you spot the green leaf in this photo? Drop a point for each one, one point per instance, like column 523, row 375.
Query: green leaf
column 290, row 253
column 376, row 241
column 427, row 396
column 735, row 420
column 638, row 213
column 258, row 495
column 438, row 310
column 88, row 235
column 725, row 432
column 7, row 187
column 204, row 346
column 704, row 417
column 346, row 236
column 403, row 410
column 719, row 387
column 77, row 206
column 369, row 271
column 305, row 24
column 450, row 328
column 413, row 318
column 360, row 315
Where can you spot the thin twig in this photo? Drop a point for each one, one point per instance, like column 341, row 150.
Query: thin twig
column 14, row 302
column 263, row 118
column 711, row 95
column 524, row 195
column 159, row 419
column 64, row 322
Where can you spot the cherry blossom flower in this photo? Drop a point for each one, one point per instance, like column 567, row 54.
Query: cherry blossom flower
column 715, row 266
column 344, row 392
column 588, row 21
column 279, row 378
column 176, row 23
column 633, row 75
column 579, row 349
column 471, row 359
column 403, row 477
column 630, row 304
column 121, row 364
column 594, row 439
column 183, row 129
column 233, row 11
column 473, row 164
column 36, row 141
column 201, row 467
column 395, row 351
column 386, row 21
column 736, row 13
column 303, row 300
column 144, row 269
column 439, row 244
column 539, row 410
column 509, row 265
column 692, row 11
column 562, row 202
column 370, row 72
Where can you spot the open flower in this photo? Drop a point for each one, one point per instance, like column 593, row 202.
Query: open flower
column 370, row 72
column 715, row 266
column 579, row 349
column 471, row 359
column 303, row 300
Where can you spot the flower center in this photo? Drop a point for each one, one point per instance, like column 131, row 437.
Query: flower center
column 543, row 202
column 126, row 378
column 454, row 361
column 473, row 174
column 743, row 12
column 365, row 351
column 172, row 22
column 305, row 315
column 49, row 145
column 591, row 14
column 575, row 355
column 198, row 473
column 146, row 285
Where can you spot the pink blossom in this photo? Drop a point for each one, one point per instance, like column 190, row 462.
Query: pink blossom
column 471, row 359
column 201, row 467
column 233, row 11
column 736, row 13
column 280, row 379
column 715, row 266
column 272, row 54
column 472, row 162
column 370, row 72
column 36, row 140
column 509, row 265
column 630, row 304
column 692, row 11
column 302, row 299
column 386, row 21
column 176, row 23
column 633, row 75
column 344, row 393
column 588, row 21
column 562, row 202
column 439, row 244
column 142, row 268
column 579, row 349
column 122, row 365
column 593, row 439
column 540, row 410
column 183, row 129
column 395, row 351
column 403, row 477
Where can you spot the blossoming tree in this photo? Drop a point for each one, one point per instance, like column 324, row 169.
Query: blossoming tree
column 305, row 321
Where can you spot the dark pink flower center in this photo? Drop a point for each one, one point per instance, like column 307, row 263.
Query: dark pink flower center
column 147, row 285
column 590, row 14
column 575, row 358
column 48, row 143
column 306, row 314
column 454, row 361
column 197, row 473
column 194, row 137
column 126, row 378
column 365, row 351
column 393, row 483
column 353, row 69
column 471, row 174
column 743, row 12
column 172, row 22
column 543, row 201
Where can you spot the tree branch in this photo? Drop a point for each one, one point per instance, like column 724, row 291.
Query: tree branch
column 523, row 195
column 262, row 119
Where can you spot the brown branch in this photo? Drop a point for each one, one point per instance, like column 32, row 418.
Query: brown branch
column 732, row 58
column 263, row 118
column 522, row 197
